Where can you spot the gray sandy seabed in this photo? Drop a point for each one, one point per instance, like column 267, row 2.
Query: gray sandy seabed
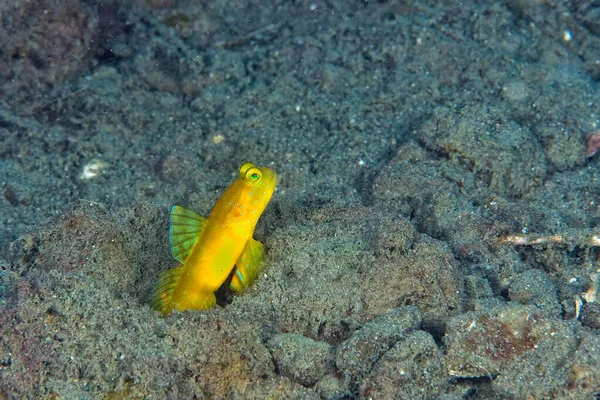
column 434, row 234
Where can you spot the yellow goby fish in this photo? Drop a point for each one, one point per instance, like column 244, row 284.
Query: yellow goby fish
column 209, row 249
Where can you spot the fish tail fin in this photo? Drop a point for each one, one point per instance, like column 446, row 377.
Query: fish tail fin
column 163, row 294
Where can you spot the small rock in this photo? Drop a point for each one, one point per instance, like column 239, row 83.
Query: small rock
column 356, row 356
column 426, row 277
column 300, row 358
column 536, row 288
column 330, row 388
column 477, row 287
column 584, row 375
column 590, row 315
column 414, row 364
column 511, row 344
column 479, row 293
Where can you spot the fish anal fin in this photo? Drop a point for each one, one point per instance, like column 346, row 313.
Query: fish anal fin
column 185, row 228
column 248, row 266
column 163, row 294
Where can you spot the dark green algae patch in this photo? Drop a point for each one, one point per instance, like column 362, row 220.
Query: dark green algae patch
column 410, row 139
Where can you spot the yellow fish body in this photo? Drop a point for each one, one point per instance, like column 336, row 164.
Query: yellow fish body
column 210, row 248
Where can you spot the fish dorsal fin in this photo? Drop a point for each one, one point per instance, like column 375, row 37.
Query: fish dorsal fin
column 186, row 226
column 247, row 266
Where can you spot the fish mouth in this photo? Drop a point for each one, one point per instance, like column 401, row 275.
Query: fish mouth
column 274, row 177
column 269, row 174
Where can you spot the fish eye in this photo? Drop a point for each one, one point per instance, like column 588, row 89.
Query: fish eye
column 244, row 169
column 253, row 175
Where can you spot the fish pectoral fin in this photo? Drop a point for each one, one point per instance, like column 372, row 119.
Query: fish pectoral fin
column 161, row 298
column 186, row 226
column 247, row 266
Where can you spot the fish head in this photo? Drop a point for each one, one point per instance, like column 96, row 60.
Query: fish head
column 260, row 183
